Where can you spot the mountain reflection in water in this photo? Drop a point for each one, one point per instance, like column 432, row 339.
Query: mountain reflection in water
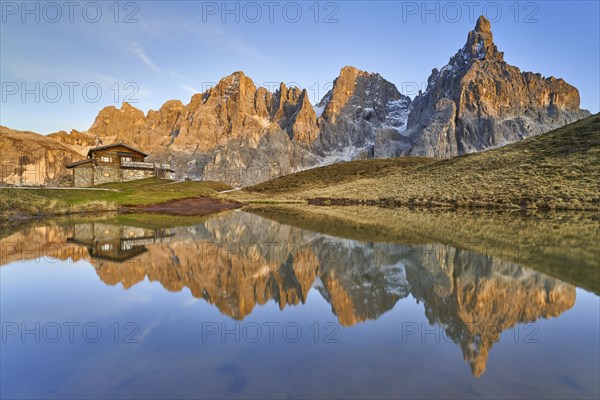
column 237, row 260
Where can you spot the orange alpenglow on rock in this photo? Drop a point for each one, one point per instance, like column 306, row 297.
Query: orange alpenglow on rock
column 241, row 134
column 478, row 101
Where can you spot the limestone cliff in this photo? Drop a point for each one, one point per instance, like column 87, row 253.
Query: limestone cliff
column 234, row 109
column 478, row 101
column 78, row 141
column 241, row 134
column 358, row 104
column 118, row 124
column 28, row 158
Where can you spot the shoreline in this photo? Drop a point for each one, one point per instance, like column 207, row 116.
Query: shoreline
column 193, row 206
column 200, row 206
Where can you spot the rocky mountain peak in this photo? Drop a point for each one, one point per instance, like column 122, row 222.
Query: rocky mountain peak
column 483, row 25
column 478, row 101
column 480, row 43
column 120, row 123
column 171, row 104
column 350, row 73
column 359, row 104
column 355, row 88
column 479, row 46
column 125, row 107
column 234, row 77
column 236, row 82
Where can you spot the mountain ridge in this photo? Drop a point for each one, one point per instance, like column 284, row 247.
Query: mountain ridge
column 554, row 170
column 476, row 102
column 479, row 101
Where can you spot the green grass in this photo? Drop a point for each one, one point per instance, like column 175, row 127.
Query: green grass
column 556, row 170
column 30, row 202
column 339, row 173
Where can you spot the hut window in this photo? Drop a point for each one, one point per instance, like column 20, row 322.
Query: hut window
column 106, row 159
column 131, row 173
column 106, row 174
column 126, row 159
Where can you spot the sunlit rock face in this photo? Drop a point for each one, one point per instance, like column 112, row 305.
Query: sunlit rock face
column 240, row 133
column 28, row 158
column 118, row 124
column 478, row 101
column 358, row 104
column 237, row 261
column 223, row 131
column 78, row 141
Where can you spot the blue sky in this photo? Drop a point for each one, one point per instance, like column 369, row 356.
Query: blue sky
column 153, row 51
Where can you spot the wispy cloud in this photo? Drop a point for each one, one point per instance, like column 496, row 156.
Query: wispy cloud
column 190, row 89
column 141, row 54
column 187, row 28
column 221, row 37
column 174, row 74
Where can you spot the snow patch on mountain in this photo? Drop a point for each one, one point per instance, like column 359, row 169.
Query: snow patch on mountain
column 397, row 114
column 318, row 110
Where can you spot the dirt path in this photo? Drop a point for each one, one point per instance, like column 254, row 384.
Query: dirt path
column 56, row 188
column 195, row 206
column 230, row 190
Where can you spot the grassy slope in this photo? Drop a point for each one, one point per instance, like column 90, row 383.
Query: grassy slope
column 559, row 169
column 58, row 201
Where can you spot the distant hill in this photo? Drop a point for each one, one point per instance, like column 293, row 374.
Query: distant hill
column 556, row 170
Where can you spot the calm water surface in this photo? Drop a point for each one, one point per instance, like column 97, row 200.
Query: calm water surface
column 240, row 306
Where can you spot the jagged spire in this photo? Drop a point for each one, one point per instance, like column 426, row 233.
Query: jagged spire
column 480, row 42
column 483, row 25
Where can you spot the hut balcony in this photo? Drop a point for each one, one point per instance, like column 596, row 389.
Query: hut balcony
column 145, row 165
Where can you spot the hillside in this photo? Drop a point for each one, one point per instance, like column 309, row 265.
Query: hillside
column 29, row 158
column 556, row 170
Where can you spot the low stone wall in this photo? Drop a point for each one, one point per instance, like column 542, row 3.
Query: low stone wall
column 134, row 174
column 83, row 176
column 105, row 174
column 90, row 175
